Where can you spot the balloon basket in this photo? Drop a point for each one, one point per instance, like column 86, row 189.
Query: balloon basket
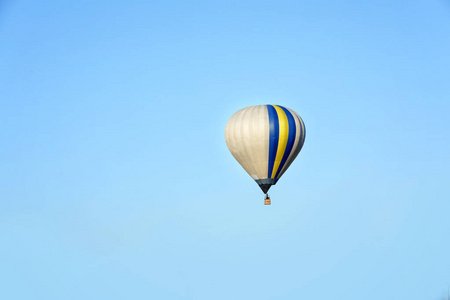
column 267, row 201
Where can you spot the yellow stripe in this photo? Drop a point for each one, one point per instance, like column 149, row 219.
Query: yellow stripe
column 283, row 126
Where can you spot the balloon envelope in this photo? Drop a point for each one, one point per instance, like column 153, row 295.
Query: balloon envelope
column 265, row 140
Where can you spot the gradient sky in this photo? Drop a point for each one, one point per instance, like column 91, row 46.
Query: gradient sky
column 116, row 182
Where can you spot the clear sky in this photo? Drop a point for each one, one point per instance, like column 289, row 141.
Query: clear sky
column 116, row 182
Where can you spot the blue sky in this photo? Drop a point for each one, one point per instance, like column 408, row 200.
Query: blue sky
column 116, row 182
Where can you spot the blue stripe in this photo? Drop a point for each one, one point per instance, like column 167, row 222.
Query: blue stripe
column 290, row 141
column 273, row 137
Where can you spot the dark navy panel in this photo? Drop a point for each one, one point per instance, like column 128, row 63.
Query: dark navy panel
column 273, row 137
column 290, row 141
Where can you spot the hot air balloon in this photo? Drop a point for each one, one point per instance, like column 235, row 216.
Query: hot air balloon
column 265, row 140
